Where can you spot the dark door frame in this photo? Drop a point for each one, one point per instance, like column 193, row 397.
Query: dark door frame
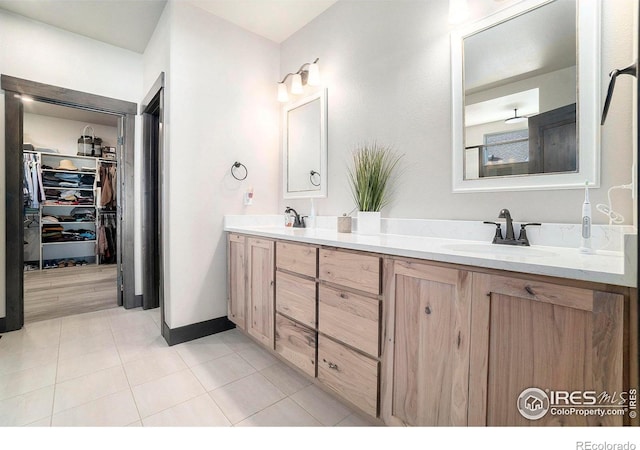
column 152, row 112
column 15, row 88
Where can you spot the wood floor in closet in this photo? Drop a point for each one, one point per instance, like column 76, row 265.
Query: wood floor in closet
column 53, row 293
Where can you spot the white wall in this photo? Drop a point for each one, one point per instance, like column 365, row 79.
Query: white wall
column 387, row 69
column 62, row 134
column 50, row 55
column 221, row 109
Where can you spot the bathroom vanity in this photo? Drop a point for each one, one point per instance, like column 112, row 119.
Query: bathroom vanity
column 418, row 336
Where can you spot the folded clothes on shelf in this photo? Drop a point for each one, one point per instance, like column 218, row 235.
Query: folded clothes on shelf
column 67, row 235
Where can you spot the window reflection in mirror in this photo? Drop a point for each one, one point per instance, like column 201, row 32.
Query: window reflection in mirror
column 520, row 95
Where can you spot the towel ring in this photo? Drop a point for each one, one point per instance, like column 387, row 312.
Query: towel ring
column 311, row 174
column 235, row 166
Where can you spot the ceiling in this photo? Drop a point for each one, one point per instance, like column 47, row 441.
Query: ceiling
column 129, row 24
column 538, row 42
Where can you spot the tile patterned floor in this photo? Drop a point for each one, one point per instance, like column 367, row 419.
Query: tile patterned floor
column 112, row 368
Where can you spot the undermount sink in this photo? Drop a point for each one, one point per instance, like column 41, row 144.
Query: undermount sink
column 501, row 250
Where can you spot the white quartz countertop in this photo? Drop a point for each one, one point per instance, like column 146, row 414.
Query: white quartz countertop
column 601, row 267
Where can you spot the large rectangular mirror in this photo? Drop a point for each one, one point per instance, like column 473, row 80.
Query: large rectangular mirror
column 526, row 98
column 305, row 147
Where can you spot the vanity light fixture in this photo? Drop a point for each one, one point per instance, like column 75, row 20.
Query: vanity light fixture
column 516, row 118
column 308, row 73
column 296, row 84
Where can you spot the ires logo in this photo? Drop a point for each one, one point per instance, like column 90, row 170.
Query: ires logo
column 573, row 398
column 535, row 403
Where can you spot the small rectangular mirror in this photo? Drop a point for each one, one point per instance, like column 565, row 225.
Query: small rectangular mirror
column 304, row 143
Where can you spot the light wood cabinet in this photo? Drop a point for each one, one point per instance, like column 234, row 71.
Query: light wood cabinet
column 359, row 271
column 349, row 325
column 260, row 290
column 296, row 344
column 350, row 374
column 236, row 279
column 297, row 258
column 296, row 298
column 296, row 304
column 443, row 344
column 528, row 333
column 351, row 318
column 426, row 351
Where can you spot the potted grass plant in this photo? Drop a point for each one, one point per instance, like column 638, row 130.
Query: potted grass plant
column 370, row 180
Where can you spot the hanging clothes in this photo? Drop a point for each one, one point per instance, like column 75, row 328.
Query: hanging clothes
column 33, row 189
column 107, row 235
column 108, row 184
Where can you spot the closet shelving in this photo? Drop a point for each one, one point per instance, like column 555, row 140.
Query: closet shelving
column 69, row 216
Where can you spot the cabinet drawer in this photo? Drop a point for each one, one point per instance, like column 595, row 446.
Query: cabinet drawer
column 296, row 344
column 236, row 238
column 351, row 318
column 296, row 258
column 349, row 373
column 296, row 297
column 354, row 270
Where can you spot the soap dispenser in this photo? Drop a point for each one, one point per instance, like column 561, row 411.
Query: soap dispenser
column 288, row 219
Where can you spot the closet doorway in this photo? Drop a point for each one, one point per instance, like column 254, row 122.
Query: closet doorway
column 69, row 235
column 70, row 210
column 152, row 109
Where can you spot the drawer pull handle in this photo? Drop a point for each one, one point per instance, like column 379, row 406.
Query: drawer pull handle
column 529, row 290
column 333, row 366
column 343, row 295
column 459, row 339
column 427, row 310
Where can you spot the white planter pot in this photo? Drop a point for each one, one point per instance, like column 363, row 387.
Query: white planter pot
column 368, row 222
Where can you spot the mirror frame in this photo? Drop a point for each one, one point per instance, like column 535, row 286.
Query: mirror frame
column 322, row 192
column 588, row 86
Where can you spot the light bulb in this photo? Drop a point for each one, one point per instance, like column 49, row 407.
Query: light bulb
column 282, row 92
column 296, row 84
column 314, row 75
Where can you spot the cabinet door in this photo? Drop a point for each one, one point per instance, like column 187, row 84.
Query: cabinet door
column 426, row 353
column 236, row 282
column 260, row 275
column 531, row 334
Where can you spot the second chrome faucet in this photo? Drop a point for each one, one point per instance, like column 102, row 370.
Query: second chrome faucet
column 510, row 238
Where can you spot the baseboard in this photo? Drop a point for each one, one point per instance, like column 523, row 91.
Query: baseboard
column 179, row 335
column 3, row 324
column 138, row 300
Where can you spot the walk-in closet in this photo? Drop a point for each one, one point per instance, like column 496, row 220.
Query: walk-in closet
column 70, row 210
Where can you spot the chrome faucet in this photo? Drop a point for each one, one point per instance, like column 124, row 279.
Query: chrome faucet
column 298, row 221
column 510, row 238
